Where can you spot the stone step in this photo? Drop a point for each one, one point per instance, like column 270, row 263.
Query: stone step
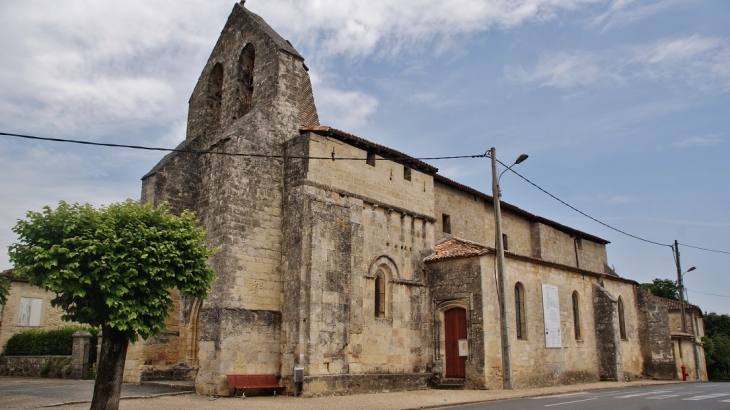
column 450, row 384
column 174, row 384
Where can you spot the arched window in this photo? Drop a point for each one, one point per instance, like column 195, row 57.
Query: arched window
column 244, row 92
column 379, row 293
column 215, row 97
column 621, row 319
column 520, row 325
column 576, row 315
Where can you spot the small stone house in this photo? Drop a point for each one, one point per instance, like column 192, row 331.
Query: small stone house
column 27, row 308
column 687, row 346
column 371, row 274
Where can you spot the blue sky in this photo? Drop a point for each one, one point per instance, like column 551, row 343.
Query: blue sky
column 622, row 105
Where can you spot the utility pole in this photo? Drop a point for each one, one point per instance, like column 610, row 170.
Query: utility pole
column 499, row 244
column 681, row 286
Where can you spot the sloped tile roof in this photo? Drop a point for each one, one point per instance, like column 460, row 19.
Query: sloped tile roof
column 457, row 248
column 675, row 305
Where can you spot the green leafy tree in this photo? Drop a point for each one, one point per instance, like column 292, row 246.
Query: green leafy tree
column 4, row 289
column 664, row 288
column 721, row 352
column 113, row 268
column 716, row 324
column 717, row 335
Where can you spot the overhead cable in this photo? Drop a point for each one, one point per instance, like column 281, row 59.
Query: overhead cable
column 704, row 249
column 332, row 158
column 235, row 154
column 583, row 213
column 710, row 294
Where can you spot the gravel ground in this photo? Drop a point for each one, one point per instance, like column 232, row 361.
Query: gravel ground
column 421, row 399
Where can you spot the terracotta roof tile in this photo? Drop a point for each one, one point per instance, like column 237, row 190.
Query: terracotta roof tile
column 457, row 248
column 675, row 305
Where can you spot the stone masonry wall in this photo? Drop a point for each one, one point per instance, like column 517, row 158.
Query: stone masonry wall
column 656, row 344
column 335, row 239
column 534, row 364
column 32, row 366
column 383, row 183
column 632, row 359
column 607, row 335
column 472, row 218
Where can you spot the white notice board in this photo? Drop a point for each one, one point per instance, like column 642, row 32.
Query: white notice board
column 551, row 310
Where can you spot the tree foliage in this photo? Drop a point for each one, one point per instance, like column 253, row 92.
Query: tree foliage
column 717, row 342
column 4, row 289
column 664, row 288
column 716, row 324
column 114, row 266
column 721, row 351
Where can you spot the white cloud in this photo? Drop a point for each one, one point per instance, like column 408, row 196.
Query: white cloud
column 700, row 62
column 559, row 70
column 619, row 199
column 708, row 140
column 359, row 28
column 627, row 12
column 347, row 110
column 86, row 66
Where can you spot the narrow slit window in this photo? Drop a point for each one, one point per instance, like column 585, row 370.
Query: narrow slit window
column 406, row 173
column 520, row 319
column 446, row 222
column 505, row 242
column 379, row 293
column 370, row 159
column 621, row 318
column 576, row 316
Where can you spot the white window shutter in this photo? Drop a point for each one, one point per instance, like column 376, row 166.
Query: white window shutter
column 29, row 313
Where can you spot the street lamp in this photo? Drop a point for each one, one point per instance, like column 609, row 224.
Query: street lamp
column 681, row 293
column 507, row 383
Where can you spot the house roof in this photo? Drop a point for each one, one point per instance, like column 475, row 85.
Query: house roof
column 676, row 305
column 378, row 149
column 457, row 248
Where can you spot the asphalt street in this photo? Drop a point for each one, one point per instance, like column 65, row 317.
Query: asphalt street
column 25, row 393
column 706, row 396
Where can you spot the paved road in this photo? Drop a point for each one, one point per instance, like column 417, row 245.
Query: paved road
column 671, row 397
column 26, row 393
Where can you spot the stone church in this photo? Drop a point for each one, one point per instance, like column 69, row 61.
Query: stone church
column 370, row 274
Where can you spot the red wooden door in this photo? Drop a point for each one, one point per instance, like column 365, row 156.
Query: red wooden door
column 455, row 329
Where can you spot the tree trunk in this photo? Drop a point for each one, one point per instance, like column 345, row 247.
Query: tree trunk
column 109, row 370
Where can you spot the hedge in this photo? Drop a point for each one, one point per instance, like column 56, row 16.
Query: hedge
column 56, row 342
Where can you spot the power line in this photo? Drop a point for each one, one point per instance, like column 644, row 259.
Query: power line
column 333, row 158
column 704, row 249
column 235, row 154
column 710, row 294
column 583, row 213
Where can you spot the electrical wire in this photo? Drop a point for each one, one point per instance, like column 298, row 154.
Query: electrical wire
column 710, row 294
column 235, row 154
column 333, row 158
column 704, row 249
column 583, row 213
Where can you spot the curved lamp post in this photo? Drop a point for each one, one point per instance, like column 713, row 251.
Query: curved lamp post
column 507, row 382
